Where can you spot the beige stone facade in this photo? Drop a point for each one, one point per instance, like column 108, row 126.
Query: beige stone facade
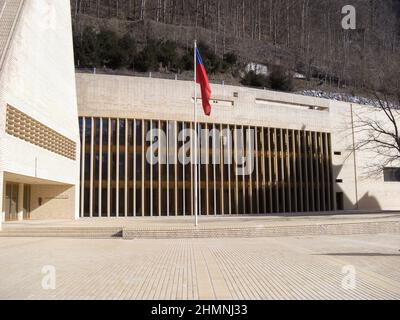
column 39, row 137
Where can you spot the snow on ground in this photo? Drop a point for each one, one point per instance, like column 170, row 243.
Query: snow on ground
column 338, row 96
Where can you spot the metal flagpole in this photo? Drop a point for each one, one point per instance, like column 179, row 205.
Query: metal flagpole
column 195, row 141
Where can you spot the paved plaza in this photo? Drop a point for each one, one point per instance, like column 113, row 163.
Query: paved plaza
column 307, row 267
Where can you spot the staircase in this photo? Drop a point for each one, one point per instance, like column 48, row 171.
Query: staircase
column 63, row 232
column 264, row 231
column 152, row 229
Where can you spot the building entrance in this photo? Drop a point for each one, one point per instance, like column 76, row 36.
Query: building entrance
column 17, row 202
column 11, row 203
column 27, row 202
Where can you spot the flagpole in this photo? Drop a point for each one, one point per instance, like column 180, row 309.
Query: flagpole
column 196, row 138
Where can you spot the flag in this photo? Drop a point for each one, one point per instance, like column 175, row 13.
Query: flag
column 202, row 79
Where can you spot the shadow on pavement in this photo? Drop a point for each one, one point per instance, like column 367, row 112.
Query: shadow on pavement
column 360, row 254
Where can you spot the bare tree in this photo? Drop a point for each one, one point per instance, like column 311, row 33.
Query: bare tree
column 378, row 128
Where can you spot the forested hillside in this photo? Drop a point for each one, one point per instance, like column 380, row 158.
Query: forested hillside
column 304, row 36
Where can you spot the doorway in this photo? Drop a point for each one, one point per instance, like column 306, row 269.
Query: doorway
column 11, row 203
column 11, row 206
column 339, row 201
column 27, row 202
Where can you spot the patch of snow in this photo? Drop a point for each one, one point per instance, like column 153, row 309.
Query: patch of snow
column 338, row 97
column 299, row 76
column 257, row 68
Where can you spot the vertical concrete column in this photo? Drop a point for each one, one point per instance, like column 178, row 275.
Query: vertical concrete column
column 288, row 173
column 117, row 126
column 229, row 147
column 109, row 169
column 283, row 177
column 176, row 165
column 83, row 153
column 263, row 170
column 193, row 167
column 300, row 153
column 20, row 202
column 126, row 166
column 151, row 167
column 100, row 167
column 294, row 166
column 246, row 146
column 214, row 160
column 207, row 156
column 270, row 160
column 91, row 167
column 275, row 169
column 257, row 130
column 160, row 152
column 134, row 167
column 143, row 172
column 221, row 170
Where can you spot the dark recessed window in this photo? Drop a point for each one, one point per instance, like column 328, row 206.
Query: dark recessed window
column 391, row 174
column 339, row 180
column 337, row 153
column 236, row 94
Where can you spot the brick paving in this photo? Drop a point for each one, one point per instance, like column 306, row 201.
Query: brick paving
column 259, row 268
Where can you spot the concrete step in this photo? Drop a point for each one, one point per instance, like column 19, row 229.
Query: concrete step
column 264, row 231
column 66, row 232
column 211, row 231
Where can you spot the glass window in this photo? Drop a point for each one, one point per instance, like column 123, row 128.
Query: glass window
column 114, row 131
column 104, row 202
column 121, row 202
column 113, row 202
column 86, row 209
column 87, row 166
column 80, row 127
column 104, row 166
column 391, row 174
column 122, row 132
column 88, row 130
column 122, row 166
column 105, row 131
column 97, row 131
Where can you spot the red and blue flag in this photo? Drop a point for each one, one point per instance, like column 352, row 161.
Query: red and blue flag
column 202, row 79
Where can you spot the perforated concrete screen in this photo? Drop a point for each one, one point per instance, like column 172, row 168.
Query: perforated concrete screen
column 20, row 125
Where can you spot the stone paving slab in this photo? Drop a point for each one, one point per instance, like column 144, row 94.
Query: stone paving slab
column 307, row 267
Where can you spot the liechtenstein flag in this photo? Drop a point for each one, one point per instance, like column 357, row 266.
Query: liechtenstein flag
column 202, row 79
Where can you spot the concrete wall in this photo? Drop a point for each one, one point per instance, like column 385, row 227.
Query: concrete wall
column 57, row 202
column 38, row 79
column 159, row 99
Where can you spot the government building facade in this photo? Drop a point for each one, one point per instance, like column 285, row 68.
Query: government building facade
column 79, row 145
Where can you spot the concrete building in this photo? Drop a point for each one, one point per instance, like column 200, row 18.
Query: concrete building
column 303, row 151
column 302, row 147
column 39, row 136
